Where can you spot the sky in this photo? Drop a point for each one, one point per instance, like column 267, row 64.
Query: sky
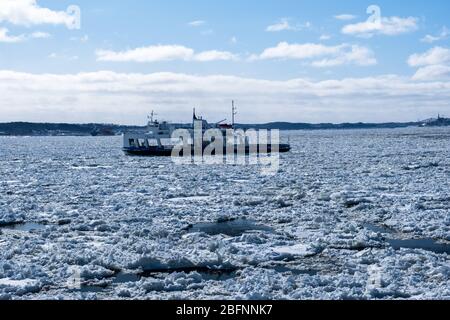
column 312, row 61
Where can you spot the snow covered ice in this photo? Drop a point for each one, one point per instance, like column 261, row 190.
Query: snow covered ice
column 324, row 226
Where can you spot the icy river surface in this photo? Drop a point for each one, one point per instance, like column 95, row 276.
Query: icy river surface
column 361, row 214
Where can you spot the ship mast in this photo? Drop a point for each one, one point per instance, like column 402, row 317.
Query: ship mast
column 152, row 115
column 233, row 112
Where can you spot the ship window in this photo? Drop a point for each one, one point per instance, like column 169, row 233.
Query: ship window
column 132, row 143
column 141, row 142
column 167, row 141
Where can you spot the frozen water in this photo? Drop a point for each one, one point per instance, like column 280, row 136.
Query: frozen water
column 234, row 227
column 296, row 250
column 114, row 218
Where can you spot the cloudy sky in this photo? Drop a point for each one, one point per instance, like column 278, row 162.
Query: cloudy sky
column 281, row 60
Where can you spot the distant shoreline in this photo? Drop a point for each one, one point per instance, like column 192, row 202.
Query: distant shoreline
column 98, row 129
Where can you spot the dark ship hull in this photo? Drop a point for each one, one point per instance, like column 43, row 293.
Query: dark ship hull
column 165, row 151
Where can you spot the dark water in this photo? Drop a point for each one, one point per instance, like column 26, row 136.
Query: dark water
column 297, row 272
column 231, row 228
column 397, row 244
column 377, row 228
column 123, row 277
column 92, row 289
column 207, row 273
column 425, row 244
column 28, row 226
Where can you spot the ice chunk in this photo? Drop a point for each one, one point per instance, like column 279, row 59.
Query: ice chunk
column 20, row 287
column 296, row 250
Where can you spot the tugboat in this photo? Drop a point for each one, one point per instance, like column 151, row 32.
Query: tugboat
column 158, row 140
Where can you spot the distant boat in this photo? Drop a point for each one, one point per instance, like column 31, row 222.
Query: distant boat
column 436, row 122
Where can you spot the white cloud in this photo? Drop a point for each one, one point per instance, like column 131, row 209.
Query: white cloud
column 389, row 26
column 40, row 35
column 442, row 35
column 214, row 55
column 5, row 37
column 124, row 97
column 432, row 73
column 325, row 37
column 433, row 64
column 197, row 23
column 434, row 56
column 332, row 55
column 163, row 53
column 28, row 13
column 358, row 55
column 285, row 25
column 285, row 50
column 430, row 39
column 345, row 17
column 147, row 54
column 233, row 40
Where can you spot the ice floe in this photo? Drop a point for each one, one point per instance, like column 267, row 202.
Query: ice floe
column 351, row 215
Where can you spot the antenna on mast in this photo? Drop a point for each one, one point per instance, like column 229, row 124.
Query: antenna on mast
column 233, row 112
column 152, row 115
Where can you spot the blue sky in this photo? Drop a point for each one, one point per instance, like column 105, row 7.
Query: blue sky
column 289, row 60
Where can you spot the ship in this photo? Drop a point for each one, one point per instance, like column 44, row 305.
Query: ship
column 158, row 139
column 436, row 122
